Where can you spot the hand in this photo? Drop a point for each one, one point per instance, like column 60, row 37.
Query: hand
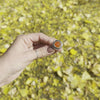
column 21, row 53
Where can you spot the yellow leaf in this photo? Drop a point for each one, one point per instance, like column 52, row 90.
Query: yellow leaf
column 23, row 92
column 5, row 89
column 3, row 50
column 29, row 80
column 73, row 51
column 56, row 69
column 55, row 82
column 86, row 76
column 97, row 44
column 45, row 79
column 86, row 36
column 88, row 22
column 59, row 73
column 70, row 97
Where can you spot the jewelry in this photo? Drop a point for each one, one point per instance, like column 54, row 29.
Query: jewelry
column 57, row 44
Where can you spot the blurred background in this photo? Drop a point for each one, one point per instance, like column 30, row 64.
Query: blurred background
column 73, row 74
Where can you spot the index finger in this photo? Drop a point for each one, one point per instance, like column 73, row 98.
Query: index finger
column 42, row 38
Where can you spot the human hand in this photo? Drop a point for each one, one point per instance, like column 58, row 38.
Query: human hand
column 22, row 52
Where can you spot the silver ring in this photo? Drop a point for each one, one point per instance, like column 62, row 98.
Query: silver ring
column 36, row 53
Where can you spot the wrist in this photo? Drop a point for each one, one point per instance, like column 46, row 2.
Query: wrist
column 4, row 69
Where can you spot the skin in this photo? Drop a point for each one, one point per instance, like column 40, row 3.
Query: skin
column 23, row 52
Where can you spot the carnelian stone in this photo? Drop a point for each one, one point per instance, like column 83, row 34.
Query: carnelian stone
column 57, row 44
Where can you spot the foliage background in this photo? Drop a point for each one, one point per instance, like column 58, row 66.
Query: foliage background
column 73, row 74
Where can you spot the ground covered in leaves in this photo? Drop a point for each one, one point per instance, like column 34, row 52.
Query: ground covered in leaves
column 73, row 74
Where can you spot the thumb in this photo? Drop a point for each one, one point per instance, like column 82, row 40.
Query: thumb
column 43, row 51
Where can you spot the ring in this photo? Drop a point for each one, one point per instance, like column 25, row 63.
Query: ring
column 36, row 53
column 57, row 44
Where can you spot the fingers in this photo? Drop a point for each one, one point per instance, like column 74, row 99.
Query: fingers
column 44, row 51
column 41, row 52
column 42, row 38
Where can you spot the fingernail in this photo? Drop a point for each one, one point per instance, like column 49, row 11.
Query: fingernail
column 50, row 50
